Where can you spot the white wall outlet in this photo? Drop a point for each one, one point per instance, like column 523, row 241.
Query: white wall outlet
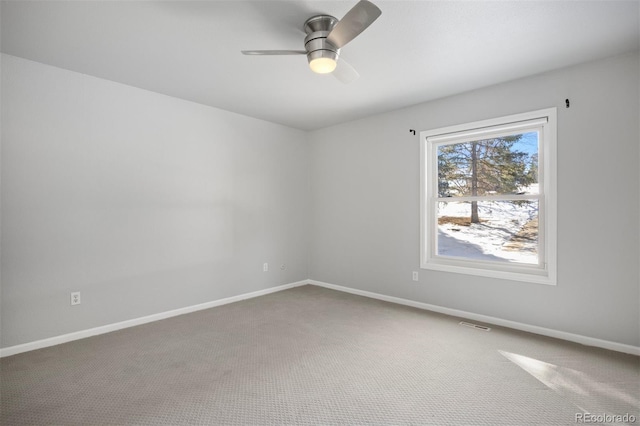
column 75, row 298
column 265, row 267
column 415, row 275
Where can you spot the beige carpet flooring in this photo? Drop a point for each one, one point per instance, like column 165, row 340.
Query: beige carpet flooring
column 308, row 356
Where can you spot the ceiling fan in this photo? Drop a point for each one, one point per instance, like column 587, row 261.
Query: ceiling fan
column 326, row 35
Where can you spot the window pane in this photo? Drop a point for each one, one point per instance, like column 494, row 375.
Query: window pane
column 504, row 165
column 501, row 231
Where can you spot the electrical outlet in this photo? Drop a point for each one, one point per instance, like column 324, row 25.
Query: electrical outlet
column 265, row 267
column 75, row 298
column 415, row 275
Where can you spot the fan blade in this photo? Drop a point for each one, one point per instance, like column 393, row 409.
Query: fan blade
column 274, row 52
column 345, row 72
column 354, row 22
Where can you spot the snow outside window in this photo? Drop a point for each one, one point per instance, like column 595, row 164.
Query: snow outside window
column 489, row 198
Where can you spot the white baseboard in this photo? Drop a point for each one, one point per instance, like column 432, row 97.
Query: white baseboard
column 52, row 341
column 577, row 338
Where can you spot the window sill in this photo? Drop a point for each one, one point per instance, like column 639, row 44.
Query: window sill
column 535, row 276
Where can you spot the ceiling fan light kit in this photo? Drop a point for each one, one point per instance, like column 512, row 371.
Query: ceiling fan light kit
column 326, row 35
column 323, row 64
column 321, row 54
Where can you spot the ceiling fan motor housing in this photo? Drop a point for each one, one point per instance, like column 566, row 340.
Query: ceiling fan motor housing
column 315, row 43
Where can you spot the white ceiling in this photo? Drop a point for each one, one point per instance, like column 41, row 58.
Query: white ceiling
column 415, row 52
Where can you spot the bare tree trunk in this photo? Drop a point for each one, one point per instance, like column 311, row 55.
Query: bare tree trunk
column 474, row 182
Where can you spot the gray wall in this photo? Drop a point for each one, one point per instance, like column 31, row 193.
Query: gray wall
column 147, row 203
column 142, row 202
column 365, row 203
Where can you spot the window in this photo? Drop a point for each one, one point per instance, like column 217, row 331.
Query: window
column 488, row 202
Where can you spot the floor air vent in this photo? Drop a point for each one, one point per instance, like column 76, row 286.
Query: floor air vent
column 476, row 326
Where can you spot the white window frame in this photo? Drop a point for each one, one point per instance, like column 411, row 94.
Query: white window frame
column 546, row 123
